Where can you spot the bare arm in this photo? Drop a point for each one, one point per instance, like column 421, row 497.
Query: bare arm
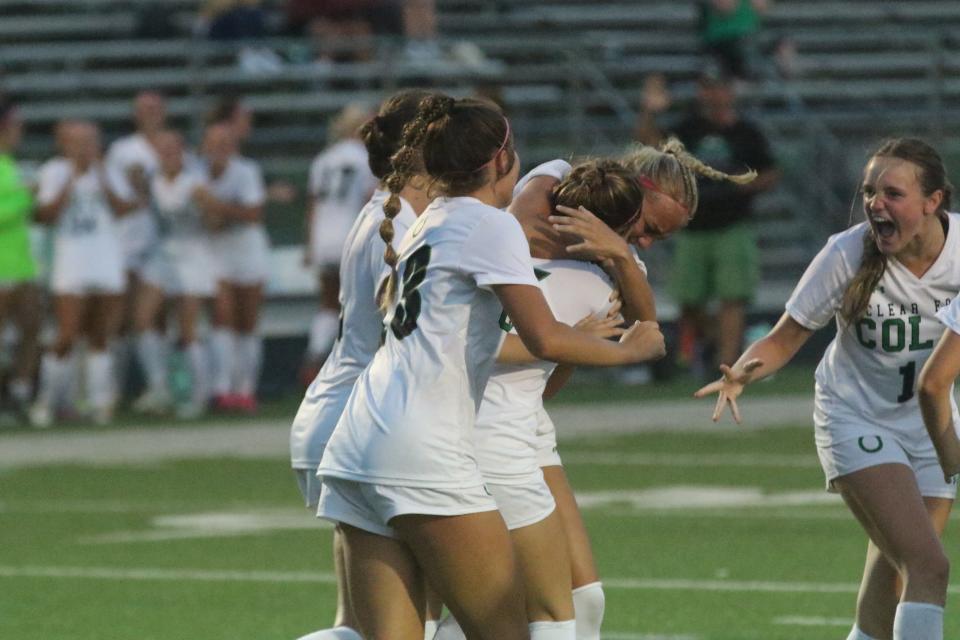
column 934, row 389
column 513, row 350
column 119, row 205
column 308, row 236
column 558, row 379
column 763, row 358
column 216, row 209
column 548, row 339
column 48, row 213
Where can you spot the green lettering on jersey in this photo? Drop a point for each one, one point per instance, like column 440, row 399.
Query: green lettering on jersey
column 866, row 323
column 505, row 323
column 893, row 334
column 915, row 344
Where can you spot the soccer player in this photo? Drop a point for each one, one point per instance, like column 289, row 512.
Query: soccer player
column 649, row 196
column 232, row 201
column 399, row 473
column 133, row 158
column 19, row 295
column 81, row 199
column 181, row 266
column 884, row 281
column 340, row 183
column 360, row 325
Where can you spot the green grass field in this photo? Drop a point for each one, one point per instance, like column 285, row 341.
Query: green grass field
column 713, row 535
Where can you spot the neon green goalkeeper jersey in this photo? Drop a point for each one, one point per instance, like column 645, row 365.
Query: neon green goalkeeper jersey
column 16, row 202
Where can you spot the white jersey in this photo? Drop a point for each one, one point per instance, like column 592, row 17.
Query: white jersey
column 86, row 250
column 136, row 228
column 181, row 262
column 241, row 249
column 506, row 431
column 409, row 420
column 340, row 182
column 553, row 168
column 178, row 216
column 361, row 329
column 869, row 372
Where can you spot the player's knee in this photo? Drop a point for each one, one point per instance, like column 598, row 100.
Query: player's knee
column 932, row 567
column 589, row 603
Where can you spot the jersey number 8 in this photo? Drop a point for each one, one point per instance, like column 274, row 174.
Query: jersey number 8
column 408, row 308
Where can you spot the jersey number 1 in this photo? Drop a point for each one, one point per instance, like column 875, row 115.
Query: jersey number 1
column 408, row 308
column 908, row 373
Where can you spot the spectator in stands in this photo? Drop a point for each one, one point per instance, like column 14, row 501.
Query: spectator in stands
column 180, row 267
column 233, row 203
column 232, row 19
column 133, row 158
column 716, row 255
column 80, row 198
column 340, row 183
column 728, row 30
column 340, row 27
column 19, row 294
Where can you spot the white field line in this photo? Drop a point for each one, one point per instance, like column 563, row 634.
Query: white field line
column 775, row 461
column 211, row 575
column 812, row 621
column 618, row 635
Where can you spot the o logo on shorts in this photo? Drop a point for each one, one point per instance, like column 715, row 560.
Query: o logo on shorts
column 863, row 446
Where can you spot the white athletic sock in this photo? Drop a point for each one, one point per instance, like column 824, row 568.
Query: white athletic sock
column 152, row 356
column 543, row 630
column 249, row 359
column 99, row 379
column 449, row 629
column 857, row 634
column 199, row 373
column 323, row 332
column 337, row 633
column 222, row 342
column 588, row 605
column 430, row 629
column 918, row 621
column 55, row 374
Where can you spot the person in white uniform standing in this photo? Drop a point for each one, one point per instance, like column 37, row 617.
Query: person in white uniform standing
column 340, row 182
column 134, row 159
column 232, row 201
column 361, row 322
column 180, row 267
column 648, row 196
column 399, row 474
column 884, row 280
column 81, row 198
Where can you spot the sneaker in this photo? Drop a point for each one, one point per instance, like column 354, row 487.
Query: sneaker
column 223, row 403
column 152, row 401
column 40, row 416
column 245, row 403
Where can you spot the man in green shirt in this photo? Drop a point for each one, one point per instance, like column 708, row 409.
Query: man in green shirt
column 19, row 296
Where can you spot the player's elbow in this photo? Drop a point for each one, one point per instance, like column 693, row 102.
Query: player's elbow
column 542, row 343
column 933, row 384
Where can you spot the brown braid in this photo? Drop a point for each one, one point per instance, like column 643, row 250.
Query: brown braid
column 405, row 163
column 932, row 176
column 605, row 187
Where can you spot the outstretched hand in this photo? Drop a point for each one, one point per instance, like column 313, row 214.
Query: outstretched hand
column 729, row 387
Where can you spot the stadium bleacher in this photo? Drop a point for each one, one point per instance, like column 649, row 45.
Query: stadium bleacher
column 569, row 75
